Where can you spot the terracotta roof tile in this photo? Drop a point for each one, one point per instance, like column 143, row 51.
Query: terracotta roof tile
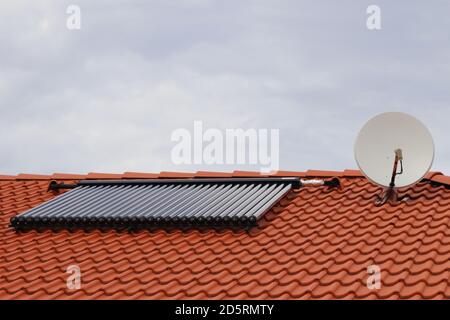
column 208, row 174
column 431, row 174
column 68, row 176
column 352, row 173
column 167, row 174
column 139, row 175
column 97, row 176
column 26, row 176
column 321, row 173
column 441, row 179
column 288, row 174
column 248, row 174
column 315, row 243
column 437, row 177
column 6, row 177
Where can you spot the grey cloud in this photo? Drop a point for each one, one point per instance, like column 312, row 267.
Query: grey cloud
column 107, row 97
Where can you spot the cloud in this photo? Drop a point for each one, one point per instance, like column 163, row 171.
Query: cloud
column 107, row 97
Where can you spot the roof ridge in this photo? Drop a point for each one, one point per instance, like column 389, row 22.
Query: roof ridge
column 434, row 176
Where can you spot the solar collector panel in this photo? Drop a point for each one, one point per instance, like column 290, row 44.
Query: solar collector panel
column 108, row 198
column 52, row 213
column 214, row 205
column 102, row 201
column 52, row 204
column 93, row 197
column 180, row 201
column 189, row 206
column 157, row 203
column 151, row 197
column 266, row 203
column 145, row 198
column 253, row 199
column 238, row 200
column 158, row 210
column 134, row 197
column 148, row 203
column 127, row 200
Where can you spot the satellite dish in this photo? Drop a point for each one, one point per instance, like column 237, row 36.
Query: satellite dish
column 394, row 150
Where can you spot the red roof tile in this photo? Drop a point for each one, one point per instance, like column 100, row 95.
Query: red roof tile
column 208, row 174
column 139, row 175
column 248, row 174
column 167, row 174
column 26, row 176
column 6, row 177
column 97, row 176
column 321, row 173
column 288, row 174
column 68, row 176
column 431, row 175
column 352, row 173
column 441, row 179
column 316, row 243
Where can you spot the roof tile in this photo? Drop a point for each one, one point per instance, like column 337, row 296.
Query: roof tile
column 207, row 174
column 431, row 174
column 26, row 176
column 441, row 179
column 249, row 174
column 100, row 176
column 167, row 174
column 139, row 175
column 288, row 174
column 6, row 177
column 352, row 173
column 316, row 243
column 68, row 176
column 321, row 173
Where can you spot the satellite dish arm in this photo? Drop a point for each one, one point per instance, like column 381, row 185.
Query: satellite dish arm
column 390, row 194
column 398, row 159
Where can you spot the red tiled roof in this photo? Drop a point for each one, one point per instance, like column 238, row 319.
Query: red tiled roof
column 316, row 243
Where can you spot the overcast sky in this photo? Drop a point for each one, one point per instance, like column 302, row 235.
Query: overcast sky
column 107, row 97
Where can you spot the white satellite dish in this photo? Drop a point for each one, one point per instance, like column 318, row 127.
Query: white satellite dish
column 394, row 150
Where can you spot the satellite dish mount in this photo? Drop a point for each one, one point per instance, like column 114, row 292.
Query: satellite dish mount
column 390, row 194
